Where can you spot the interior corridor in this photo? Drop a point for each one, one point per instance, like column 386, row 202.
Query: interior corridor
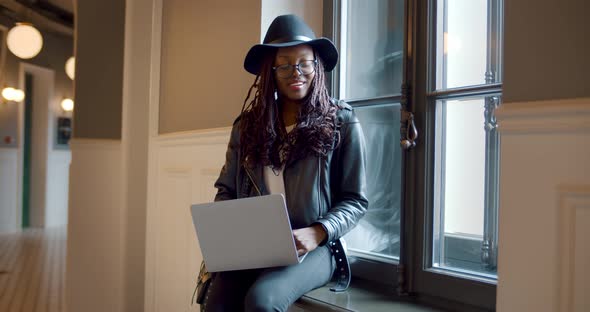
column 32, row 267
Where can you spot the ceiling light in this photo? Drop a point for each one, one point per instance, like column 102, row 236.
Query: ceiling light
column 70, row 67
column 67, row 105
column 24, row 40
column 19, row 95
column 12, row 94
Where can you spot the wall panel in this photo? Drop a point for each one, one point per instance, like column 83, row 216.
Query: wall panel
column 8, row 190
column 186, row 167
column 543, row 217
column 94, row 270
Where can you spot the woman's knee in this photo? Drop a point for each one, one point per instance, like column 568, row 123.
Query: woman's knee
column 261, row 301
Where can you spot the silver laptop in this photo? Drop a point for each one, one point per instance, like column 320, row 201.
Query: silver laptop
column 245, row 233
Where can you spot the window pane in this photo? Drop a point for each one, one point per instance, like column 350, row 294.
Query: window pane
column 462, row 209
column 377, row 234
column 467, row 39
column 372, row 41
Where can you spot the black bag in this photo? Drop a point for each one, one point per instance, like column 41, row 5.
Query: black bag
column 203, row 282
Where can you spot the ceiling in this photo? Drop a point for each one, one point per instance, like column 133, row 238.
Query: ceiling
column 56, row 16
column 67, row 5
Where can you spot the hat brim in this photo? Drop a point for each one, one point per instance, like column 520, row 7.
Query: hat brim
column 323, row 46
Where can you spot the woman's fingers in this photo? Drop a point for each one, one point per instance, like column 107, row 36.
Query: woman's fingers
column 298, row 244
column 302, row 249
column 305, row 239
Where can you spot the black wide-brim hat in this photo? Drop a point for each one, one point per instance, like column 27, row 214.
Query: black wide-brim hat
column 287, row 31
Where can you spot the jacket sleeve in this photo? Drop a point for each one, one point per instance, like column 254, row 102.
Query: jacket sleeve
column 348, row 182
column 226, row 184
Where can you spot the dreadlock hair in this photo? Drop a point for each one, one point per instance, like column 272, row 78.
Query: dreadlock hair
column 263, row 139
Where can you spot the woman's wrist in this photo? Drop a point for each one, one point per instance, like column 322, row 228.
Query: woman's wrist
column 321, row 235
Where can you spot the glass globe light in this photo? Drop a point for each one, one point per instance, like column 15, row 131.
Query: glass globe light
column 8, row 93
column 12, row 94
column 24, row 40
column 67, row 105
column 71, row 67
column 18, row 95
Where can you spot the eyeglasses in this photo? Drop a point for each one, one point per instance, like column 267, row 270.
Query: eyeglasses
column 286, row 70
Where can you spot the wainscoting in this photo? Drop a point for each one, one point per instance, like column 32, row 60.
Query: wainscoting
column 58, row 176
column 95, row 248
column 544, row 217
column 183, row 169
column 8, row 190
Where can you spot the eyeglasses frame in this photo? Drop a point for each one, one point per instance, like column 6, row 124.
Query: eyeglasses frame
column 296, row 67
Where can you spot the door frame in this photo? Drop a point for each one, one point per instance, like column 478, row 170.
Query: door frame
column 49, row 74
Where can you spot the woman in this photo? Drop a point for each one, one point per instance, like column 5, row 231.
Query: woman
column 293, row 139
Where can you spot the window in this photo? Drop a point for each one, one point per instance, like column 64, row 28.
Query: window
column 466, row 76
column 369, row 74
column 370, row 37
column 460, row 201
column 431, row 228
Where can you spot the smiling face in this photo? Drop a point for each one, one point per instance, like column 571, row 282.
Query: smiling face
column 296, row 86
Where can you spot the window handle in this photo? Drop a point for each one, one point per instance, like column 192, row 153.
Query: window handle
column 409, row 131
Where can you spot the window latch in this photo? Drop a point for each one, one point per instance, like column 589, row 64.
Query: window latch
column 409, row 133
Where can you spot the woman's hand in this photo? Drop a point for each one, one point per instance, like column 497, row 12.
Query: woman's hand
column 309, row 238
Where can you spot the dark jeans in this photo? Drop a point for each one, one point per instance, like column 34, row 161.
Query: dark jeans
column 271, row 289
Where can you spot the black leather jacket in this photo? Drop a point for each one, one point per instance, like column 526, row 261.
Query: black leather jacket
column 330, row 190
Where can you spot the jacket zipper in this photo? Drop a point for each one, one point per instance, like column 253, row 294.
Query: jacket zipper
column 252, row 180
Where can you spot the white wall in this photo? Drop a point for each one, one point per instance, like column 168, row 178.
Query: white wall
column 9, row 221
column 544, row 217
column 94, row 272
column 58, row 175
column 58, row 169
column 134, row 148
column 42, row 95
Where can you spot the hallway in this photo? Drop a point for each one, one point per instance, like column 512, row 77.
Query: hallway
column 32, row 267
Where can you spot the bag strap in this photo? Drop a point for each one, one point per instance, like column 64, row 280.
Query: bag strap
column 202, row 279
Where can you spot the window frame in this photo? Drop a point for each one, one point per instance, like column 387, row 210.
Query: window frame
column 411, row 274
column 435, row 285
column 385, row 273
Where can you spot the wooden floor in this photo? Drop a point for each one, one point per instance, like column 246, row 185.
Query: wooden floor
column 32, row 266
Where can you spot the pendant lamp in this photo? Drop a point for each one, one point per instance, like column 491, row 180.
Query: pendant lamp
column 70, row 67
column 24, row 40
